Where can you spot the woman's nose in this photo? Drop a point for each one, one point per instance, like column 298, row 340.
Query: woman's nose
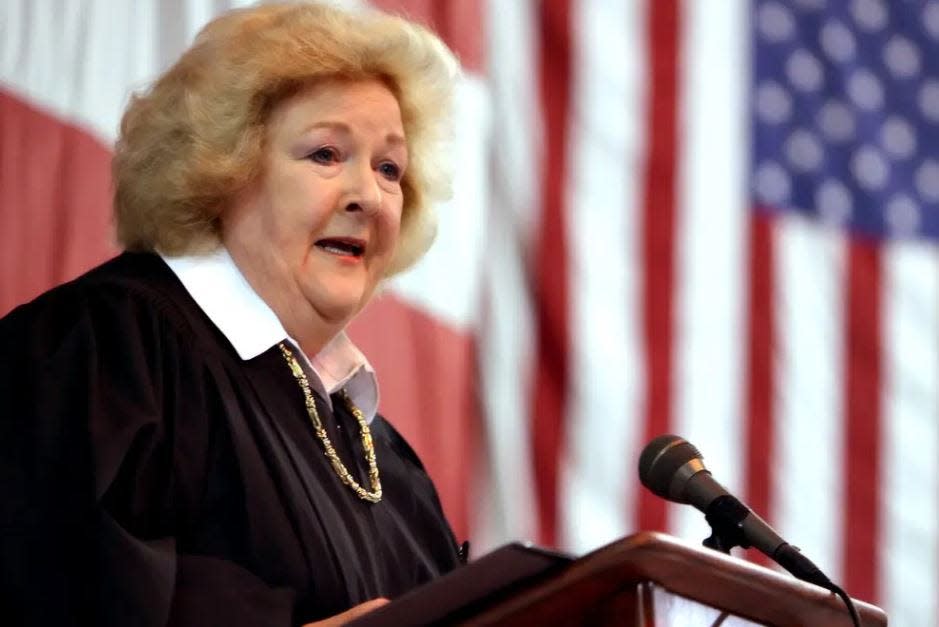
column 363, row 190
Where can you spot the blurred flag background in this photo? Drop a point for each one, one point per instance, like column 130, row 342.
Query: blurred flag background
column 709, row 217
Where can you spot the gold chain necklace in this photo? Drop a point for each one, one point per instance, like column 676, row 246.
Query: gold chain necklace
column 366, row 434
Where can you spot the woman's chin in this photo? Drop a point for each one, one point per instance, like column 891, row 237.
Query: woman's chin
column 337, row 308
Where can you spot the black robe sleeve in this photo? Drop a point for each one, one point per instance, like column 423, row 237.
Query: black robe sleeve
column 99, row 402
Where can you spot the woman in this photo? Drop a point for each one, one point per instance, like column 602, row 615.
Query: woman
column 188, row 436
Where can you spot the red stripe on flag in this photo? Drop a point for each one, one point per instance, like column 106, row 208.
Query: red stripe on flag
column 551, row 289
column 658, row 233
column 55, row 201
column 863, row 358
column 758, row 425
column 461, row 22
column 458, row 22
column 427, row 370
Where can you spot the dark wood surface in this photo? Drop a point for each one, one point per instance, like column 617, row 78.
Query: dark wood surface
column 603, row 588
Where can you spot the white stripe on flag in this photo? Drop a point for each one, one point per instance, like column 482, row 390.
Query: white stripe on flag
column 516, row 136
column 505, row 507
column 597, row 479
column 81, row 64
column 712, row 215
column 808, row 408
column 910, row 432
column 446, row 281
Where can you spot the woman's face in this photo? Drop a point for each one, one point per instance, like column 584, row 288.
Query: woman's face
column 316, row 233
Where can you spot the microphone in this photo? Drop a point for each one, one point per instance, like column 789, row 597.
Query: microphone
column 673, row 468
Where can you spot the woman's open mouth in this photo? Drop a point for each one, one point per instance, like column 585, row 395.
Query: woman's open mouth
column 342, row 246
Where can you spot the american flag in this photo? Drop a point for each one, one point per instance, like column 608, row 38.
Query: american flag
column 709, row 217
column 845, row 127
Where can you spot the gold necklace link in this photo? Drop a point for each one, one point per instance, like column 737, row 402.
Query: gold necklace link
column 341, row 471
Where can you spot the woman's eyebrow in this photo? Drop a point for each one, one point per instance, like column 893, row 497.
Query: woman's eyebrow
column 396, row 139
column 328, row 124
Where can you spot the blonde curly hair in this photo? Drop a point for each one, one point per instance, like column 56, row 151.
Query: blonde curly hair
column 195, row 138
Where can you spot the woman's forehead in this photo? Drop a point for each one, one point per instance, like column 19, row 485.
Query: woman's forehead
column 341, row 106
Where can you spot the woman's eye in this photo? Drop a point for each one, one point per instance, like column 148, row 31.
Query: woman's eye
column 390, row 171
column 324, row 155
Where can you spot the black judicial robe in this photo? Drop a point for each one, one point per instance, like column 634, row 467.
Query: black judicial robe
column 149, row 476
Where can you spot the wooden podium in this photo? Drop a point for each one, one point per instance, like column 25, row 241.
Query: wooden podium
column 648, row 579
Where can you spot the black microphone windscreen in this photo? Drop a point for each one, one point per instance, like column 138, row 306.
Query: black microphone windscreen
column 661, row 459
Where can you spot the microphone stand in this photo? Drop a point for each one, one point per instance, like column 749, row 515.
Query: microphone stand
column 725, row 515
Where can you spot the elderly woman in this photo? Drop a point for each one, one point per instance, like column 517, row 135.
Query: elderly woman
column 188, row 436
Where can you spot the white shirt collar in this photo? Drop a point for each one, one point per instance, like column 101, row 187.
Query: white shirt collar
column 224, row 295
